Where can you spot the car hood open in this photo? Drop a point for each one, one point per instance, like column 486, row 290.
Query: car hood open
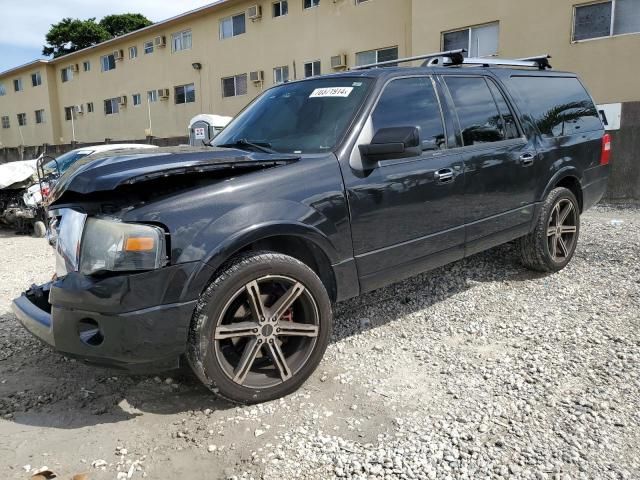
column 104, row 172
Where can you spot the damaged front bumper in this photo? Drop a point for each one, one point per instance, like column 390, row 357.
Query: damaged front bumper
column 32, row 313
column 134, row 322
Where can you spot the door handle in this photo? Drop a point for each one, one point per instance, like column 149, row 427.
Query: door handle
column 444, row 176
column 527, row 159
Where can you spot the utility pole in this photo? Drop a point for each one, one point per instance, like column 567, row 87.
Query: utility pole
column 73, row 124
column 150, row 132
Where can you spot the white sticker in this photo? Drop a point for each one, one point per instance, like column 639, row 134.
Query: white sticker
column 331, row 92
column 199, row 133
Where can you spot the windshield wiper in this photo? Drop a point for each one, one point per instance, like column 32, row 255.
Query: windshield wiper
column 263, row 147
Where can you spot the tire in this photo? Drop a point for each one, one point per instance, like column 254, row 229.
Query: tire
column 537, row 249
column 248, row 351
column 39, row 229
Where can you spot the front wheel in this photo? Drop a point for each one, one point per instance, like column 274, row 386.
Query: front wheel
column 39, row 229
column 260, row 329
column 550, row 247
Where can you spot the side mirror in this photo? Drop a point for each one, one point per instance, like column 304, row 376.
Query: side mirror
column 392, row 143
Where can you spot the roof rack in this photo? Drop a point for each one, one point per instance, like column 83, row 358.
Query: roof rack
column 456, row 58
column 454, row 55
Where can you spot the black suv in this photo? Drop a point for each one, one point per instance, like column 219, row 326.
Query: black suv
column 320, row 190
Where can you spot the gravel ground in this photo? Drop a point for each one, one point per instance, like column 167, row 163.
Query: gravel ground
column 477, row 370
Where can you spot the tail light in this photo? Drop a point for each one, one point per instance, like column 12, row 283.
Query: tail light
column 605, row 155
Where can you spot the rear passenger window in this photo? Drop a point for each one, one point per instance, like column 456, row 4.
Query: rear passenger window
column 480, row 120
column 411, row 102
column 559, row 106
column 509, row 126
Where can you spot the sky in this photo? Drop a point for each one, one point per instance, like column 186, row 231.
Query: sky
column 24, row 24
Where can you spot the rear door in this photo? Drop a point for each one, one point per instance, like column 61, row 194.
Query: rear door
column 499, row 162
column 407, row 215
column 569, row 127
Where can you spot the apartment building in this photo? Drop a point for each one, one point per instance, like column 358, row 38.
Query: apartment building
column 218, row 58
column 211, row 60
column 28, row 108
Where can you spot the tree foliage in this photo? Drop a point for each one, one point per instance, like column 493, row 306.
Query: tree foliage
column 118, row 25
column 71, row 34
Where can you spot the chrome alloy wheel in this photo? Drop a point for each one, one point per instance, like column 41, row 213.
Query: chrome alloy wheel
column 266, row 332
column 562, row 230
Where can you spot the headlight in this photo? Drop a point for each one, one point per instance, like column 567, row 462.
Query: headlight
column 118, row 247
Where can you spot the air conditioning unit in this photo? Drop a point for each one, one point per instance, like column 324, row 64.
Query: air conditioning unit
column 339, row 61
column 75, row 68
column 257, row 76
column 118, row 54
column 79, row 109
column 254, row 12
column 163, row 93
column 122, row 101
column 160, row 41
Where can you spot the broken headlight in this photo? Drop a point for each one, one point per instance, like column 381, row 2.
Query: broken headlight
column 121, row 247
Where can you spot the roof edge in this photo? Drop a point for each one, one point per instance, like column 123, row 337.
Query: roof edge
column 150, row 28
column 211, row 6
column 24, row 66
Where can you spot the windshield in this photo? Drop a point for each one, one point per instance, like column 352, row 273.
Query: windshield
column 300, row 117
column 65, row 161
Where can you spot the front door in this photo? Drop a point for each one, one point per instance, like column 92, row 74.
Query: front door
column 500, row 179
column 407, row 215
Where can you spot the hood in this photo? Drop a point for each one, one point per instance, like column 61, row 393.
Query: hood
column 110, row 170
column 13, row 173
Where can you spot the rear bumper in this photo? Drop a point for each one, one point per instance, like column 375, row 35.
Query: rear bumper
column 151, row 338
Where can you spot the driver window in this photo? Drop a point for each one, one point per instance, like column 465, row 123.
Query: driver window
column 411, row 102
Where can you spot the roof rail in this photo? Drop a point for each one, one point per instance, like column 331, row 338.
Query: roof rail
column 454, row 55
column 456, row 58
column 541, row 62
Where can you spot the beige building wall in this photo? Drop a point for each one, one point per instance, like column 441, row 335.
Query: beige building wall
column 332, row 28
column 28, row 101
column 534, row 27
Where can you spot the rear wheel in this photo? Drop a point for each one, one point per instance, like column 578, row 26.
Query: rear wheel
column 260, row 329
column 550, row 247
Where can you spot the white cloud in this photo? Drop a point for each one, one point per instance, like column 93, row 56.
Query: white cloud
column 25, row 24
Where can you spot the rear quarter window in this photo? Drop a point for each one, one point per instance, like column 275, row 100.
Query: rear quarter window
column 560, row 106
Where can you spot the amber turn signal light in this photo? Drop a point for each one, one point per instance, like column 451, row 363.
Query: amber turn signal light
column 139, row 244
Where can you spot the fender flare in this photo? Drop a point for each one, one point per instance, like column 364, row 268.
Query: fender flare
column 262, row 231
column 558, row 176
column 202, row 276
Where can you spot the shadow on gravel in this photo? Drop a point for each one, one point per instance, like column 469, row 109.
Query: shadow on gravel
column 39, row 387
column 498, row 265
column 10, row 233
column 51, row 391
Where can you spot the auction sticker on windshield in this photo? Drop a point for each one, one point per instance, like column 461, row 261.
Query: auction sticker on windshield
column 331, row 92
